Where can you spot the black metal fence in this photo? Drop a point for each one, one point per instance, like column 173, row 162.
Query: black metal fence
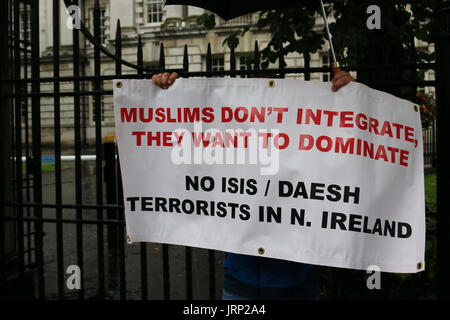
column 101, row 221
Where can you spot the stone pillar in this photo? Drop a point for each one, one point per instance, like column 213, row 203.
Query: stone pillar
column 123, row 10
column 173, row 16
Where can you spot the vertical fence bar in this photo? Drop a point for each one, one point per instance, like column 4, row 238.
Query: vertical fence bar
column 18, row 138
column 36, row 132
column 27, row 136
column 425, row 146
column 140, row 57
column 430, row 142
column 109, row 175
column 142, row 245
column 122, row 273
column 98, row 152
column 5, row 152
column 165, row 247
column 443, row 153
column 281, row 62
column 331, row 76
column 109, row 148
column 188, row 250
column 162, row 59
column 185, row 59
column 256, row 57
column 57, row 137
column 77, row 129
column 426, row 155
column 209, row 61
column 12, row 106
column 28, row 179
column 211, row 258
column 307, row 60
column 433, row 148
column 232, row 62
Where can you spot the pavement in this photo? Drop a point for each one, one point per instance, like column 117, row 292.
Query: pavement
column 177, row 271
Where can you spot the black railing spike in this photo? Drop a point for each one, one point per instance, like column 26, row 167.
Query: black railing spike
column 185, row 59
column 256, row 57
column 57, row 148
column 118, row 45
column 96, row 21
column 140, row 60
column 209, row 58
column 96, row 11
column 307, row 60
column 97, row 84
column 232, row 61
column 162, row 59
column 118, row 33
column 142, row 245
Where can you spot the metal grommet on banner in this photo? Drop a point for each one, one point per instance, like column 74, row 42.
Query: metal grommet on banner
column 261, row 250
column 419, row 266
column 119, row 84
column 416, row 108
column 271, row 83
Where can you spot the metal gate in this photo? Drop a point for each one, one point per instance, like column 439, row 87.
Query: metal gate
column 49, row 236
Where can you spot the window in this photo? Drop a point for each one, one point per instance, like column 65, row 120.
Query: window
column 325, row 63
column 173, row 24
column 154, row 11
column 102, row 23
column 218, row 64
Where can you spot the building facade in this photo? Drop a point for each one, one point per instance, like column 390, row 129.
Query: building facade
column 174, row 26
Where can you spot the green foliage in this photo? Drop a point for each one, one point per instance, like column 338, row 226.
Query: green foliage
column 401, row 22
column 294, row 30
column 207, row 20
column 232, row 41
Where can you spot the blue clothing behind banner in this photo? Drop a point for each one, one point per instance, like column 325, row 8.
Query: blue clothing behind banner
column 266, row 278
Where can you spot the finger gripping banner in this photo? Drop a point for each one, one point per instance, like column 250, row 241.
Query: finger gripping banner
column 285, row 169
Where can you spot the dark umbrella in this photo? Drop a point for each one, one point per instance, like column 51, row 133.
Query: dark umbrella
column 234, row 8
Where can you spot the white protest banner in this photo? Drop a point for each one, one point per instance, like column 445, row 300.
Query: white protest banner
column 285, row 169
